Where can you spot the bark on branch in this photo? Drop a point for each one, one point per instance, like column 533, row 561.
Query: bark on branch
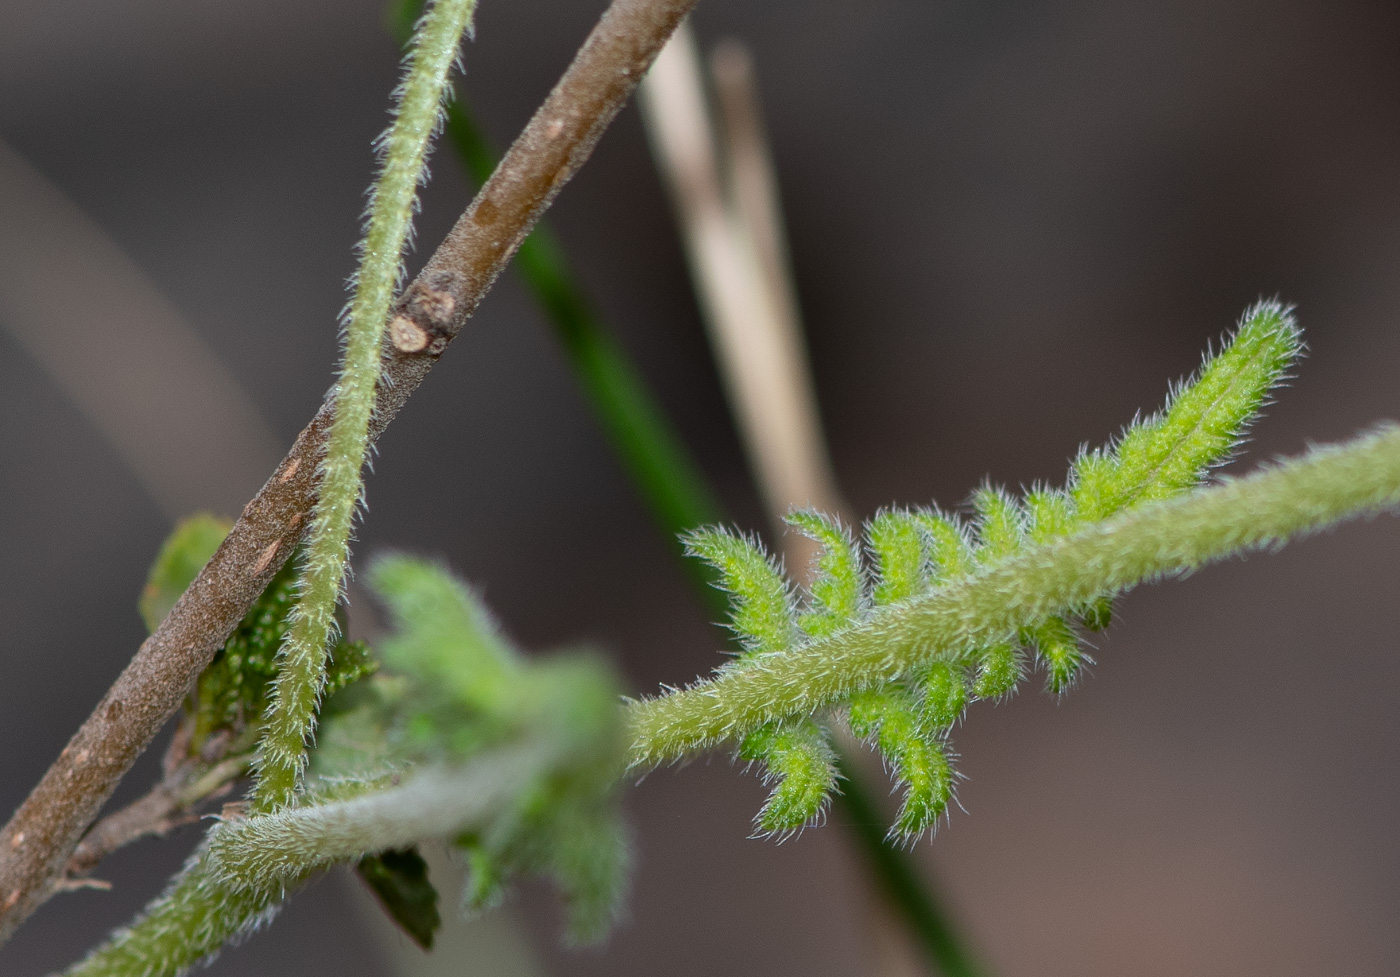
column 36, row 844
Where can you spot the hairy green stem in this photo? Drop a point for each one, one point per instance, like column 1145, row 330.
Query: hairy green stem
column 245, row 868
column 1174, row 536
column 196, row 916
column 436, row 802
column 292, row 710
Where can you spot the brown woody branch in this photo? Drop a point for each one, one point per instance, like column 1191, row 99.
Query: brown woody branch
column 37, row 843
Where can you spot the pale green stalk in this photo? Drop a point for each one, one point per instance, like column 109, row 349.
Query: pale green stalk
column 239, row 876
column 436, row 802
column 291, row 712
column 1304, row 494
column 196, row 916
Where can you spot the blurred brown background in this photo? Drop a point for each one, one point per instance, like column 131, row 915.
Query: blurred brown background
column 1012, row 224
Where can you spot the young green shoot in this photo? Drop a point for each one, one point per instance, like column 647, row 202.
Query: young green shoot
column 291, row 713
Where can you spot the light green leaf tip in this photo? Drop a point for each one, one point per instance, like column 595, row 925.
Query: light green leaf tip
column 1059, row 653
column 890, row 720
column 762, row 613
column 999, row 670
column 950, row 553
column 1001, row 528
column 798, row 756
column 1049, row 515
column 945, row 696
column 838, row 585
column 896, row 541
column 1202, row 424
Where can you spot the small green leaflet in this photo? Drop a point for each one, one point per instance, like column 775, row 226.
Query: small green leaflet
column 399, row 880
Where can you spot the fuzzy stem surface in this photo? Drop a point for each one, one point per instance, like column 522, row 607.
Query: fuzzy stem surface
column 291, row 714
column 1178, row 535
column 240, row 875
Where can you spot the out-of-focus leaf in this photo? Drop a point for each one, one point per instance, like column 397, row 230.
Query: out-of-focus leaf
column 399, row 880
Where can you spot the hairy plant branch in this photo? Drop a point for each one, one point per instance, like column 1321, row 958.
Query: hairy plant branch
column 37, row 842
column 1163, row 538
column 291, row 712
column 246, row 867
column 536, row 742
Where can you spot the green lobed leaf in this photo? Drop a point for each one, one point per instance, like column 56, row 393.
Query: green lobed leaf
column 1202, row 422
column 944, row 688
column 447, row 645
column 798, row 756
column 915, row 552
column 1049, row 514
column 896, row 540
column 838, row 585
column 999, row 670
column 950, row 554
column 889, row 718
column 1001, row 529
column 463, row 689
column 1059, row 653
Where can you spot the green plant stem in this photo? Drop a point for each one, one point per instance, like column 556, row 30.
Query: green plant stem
column 1174, row 536
column 196, row 916
column 901, row 884
column 246, row 867
column 291, row 713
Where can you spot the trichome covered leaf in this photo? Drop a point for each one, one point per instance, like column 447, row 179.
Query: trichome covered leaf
column 913, row 551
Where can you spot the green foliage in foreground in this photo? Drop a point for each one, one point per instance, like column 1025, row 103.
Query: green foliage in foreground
column 468, row 691
column 905, row 554
column 514, row 761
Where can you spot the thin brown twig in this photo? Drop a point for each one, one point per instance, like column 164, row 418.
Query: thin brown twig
column 41, row 836
column 188, row 781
